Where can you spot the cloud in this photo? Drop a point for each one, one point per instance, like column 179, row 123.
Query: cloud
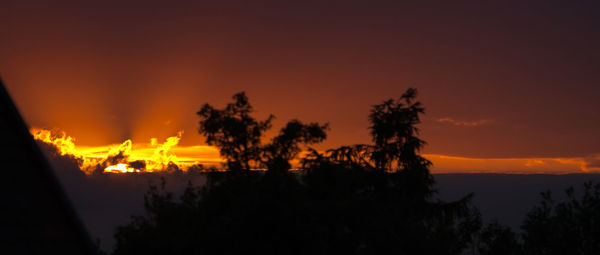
column 531, row 165
column 65, row 166
column 454, row 164
column 592, row 163
column 448, row 120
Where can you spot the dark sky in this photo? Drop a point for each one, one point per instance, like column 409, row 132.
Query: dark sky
column 499, row 79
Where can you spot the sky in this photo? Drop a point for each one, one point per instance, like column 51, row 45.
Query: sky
column 508, row 86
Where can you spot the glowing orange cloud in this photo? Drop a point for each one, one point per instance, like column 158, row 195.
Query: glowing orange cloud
column 120, row 158
column 452, row 164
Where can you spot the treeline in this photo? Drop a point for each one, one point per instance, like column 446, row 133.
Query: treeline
column 359, row 199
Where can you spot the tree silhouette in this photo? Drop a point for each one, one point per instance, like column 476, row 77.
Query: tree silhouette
column 496, row 239
column 238, row 136
column 359, row 199
column 234, row 131
column 396, row 145
column 286, row 145
column 569, row 227
column 395, row 135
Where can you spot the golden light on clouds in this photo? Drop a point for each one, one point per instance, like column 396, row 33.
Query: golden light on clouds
column 129, row 157
column 453, row 164
column 155, row 156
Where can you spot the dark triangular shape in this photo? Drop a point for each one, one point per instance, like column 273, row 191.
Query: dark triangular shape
column 37, row 216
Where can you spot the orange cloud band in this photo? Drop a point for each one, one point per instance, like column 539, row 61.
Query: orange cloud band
column 158, row 156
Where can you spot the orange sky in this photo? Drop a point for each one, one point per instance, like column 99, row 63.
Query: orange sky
column 186, row 156
column 508, row 87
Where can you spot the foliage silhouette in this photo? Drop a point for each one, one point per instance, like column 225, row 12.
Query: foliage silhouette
column 238, row 136
column 234, row 131
column 285, row 146
column 569, row 227
column 359, row 199
column 396, row 146
column 496, row 239
column 395, row 135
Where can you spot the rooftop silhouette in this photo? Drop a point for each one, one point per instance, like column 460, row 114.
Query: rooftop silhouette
column 37, row 215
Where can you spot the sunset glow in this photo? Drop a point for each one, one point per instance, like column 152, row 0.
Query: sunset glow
column 453, row 164
column 120, row 168
column 128, row 157
column 495, row 100
column 118, row 158
column 201, row 127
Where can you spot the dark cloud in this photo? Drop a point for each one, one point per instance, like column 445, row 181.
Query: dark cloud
column 119, row 158
column 66, row 165
column 138, row 164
